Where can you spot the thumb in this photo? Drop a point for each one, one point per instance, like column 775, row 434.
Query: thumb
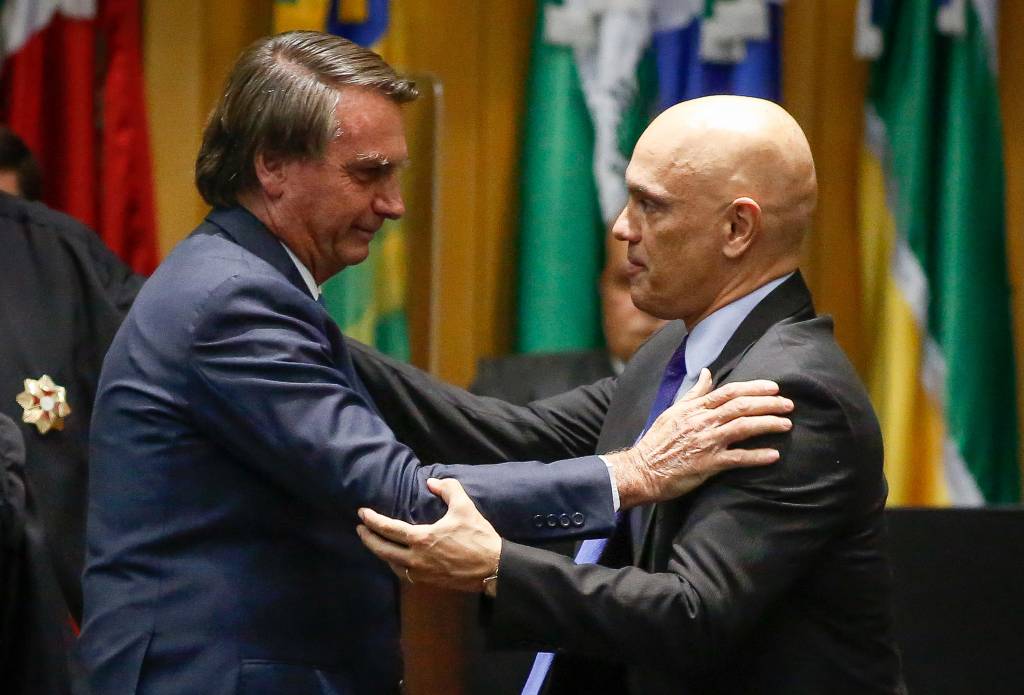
column 701, row 388
column 448, row 489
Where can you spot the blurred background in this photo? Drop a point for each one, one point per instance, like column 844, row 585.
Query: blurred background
column 529, row 110
column 528, row 115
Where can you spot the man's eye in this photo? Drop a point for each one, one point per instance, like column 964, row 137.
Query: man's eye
column 370, row 174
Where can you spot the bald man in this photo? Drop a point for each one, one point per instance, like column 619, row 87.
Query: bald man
column 768, row 580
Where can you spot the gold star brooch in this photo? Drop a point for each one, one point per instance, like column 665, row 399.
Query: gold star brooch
column 45, row 404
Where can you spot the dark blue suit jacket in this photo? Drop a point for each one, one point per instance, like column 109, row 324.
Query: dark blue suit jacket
column 232, row 444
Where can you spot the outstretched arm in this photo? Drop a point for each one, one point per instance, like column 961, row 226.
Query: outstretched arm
column 441, row 422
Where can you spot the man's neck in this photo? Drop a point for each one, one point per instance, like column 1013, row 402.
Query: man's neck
column 742, row 286
column 264, row 210
column 709, row 337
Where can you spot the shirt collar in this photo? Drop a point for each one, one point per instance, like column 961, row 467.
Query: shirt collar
column 708, row 338
column 307, row 277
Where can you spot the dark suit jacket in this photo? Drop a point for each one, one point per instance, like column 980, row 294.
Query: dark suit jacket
column 232, row 445
column 520, row 379
column 63, row 295
column 35, row 631
column 769, row 580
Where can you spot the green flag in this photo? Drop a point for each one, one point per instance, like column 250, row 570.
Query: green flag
column 563, row 214
column 934, row 135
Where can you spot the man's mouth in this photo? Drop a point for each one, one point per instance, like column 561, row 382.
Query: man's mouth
column 635, row 267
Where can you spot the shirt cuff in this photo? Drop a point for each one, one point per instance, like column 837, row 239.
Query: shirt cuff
column 611, row 479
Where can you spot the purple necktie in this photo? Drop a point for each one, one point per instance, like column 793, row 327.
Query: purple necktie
column 590, row 550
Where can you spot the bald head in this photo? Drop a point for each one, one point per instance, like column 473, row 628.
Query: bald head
column 725, row 182
column 744, row 147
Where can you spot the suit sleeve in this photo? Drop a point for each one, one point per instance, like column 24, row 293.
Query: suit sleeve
column 441, row 422
column 747, row 536
column 265, row 383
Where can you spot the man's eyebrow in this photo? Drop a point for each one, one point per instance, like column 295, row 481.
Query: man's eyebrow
column 640, row 189
column 379, row 159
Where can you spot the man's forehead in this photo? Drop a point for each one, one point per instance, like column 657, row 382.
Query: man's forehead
column 374, row 134
column 641, row 176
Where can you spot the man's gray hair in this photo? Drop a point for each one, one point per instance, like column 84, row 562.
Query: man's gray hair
column 280, row 100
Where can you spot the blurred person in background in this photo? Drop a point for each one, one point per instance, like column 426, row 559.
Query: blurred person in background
column 19, row 171
column 63, row 295
column 520, row 379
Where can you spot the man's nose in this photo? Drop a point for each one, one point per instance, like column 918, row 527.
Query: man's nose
column 389, row 203
column 621, row 230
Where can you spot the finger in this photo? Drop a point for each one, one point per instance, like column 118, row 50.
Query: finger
column 449, row 490
column 747, row 427
column 724, row 394
column 744, row 458
column 751, row 405
column 392, row 529
column 702, row 386
column 388, row 551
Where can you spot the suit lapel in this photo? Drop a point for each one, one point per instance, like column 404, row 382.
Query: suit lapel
column 790, row 300
column 636, row 387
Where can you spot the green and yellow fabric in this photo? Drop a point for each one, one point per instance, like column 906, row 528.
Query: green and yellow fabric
column 934, row 263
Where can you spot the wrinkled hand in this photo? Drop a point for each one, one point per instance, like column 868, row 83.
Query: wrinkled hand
column 689, row 442
column 457, row 552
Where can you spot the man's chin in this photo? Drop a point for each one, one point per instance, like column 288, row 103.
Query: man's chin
column 355, row 256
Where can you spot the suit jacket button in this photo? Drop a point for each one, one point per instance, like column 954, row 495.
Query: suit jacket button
column 577, row 518
column 552, row 520
column 538, row 521
column 563, row 519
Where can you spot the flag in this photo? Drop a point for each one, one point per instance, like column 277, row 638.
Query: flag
column 734, row 48
column 367, row 300
column 127, row 219
column 73, row 90
column 575, row 147
column 933, row 238
column 597, row 69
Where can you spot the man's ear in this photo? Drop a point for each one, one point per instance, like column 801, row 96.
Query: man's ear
column 271, row 173
column 744, row 226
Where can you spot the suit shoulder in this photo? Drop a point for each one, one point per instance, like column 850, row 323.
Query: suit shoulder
column 41, row 224
column 202, row 263
column 804, row 352
column 833, row 415
column 207, row 277
column 38, row 217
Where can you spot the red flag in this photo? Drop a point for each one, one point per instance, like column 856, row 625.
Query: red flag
column 127, row 219
column 50, row 103
column 73, row 90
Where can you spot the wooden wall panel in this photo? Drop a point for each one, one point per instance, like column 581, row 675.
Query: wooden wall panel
column 188, row 48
